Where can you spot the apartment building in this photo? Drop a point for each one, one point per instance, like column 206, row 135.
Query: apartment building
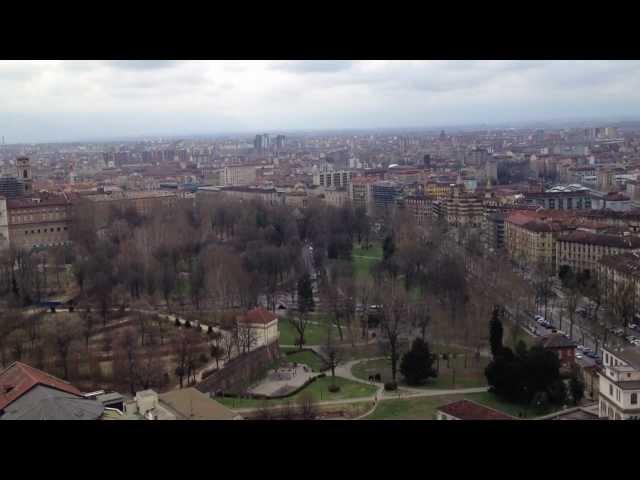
column 268, row 195
column 463, row 209
column 620, row 384
column 240, row 174
column 361, row 192
column 41, row 221
column 615, row 271
column 336, row 197
column 421, row 207
column 98, row 208
column 437, row 189
column 530, row 240
column 333, row 178
column 582, row 250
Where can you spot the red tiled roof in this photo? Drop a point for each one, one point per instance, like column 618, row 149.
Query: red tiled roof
column 469, row 410
column 18, row 378
column 258, row 315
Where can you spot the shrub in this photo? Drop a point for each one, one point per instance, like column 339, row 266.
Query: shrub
column 203, row 358
column 334, row 388
column 177, row 322
column 391, row 386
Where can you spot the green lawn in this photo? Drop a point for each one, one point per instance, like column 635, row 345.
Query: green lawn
column 491, row 400
column 423, row 408
column 464, row 377
column 314, row 334
column 307, row 357
column 374, row 251
column 364, row 259
column 319, row 389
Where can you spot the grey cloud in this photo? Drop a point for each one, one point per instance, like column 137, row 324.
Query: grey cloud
column 314, row 66
column 143, row 64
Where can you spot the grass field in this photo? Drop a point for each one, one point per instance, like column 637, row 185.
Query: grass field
column 424, row 408
column 411, row 408
column 315, row 334
column 365, row 258
column 307, row 357
column 459, row 377
column 319, row 389
column 491, row 400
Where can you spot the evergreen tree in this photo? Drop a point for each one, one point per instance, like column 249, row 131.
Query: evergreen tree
column 576, row 387
column 417, row 364
column 305, row 294
column 495, row 332
column 388, row 248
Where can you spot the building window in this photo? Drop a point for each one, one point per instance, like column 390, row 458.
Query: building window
column 611, row 390
column 634, row 399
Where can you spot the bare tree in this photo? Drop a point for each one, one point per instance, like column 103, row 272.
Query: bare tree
column 572, row 298
column 247, row 337
column 184, row 344
column 307, row 406
column 228, row 343
column 17, row 340
column 622, row 302
column 126, row 358
column 88, row 325
column 151, row 368
column 215, row 346
column 364, row 293
column 394, row 320
column 420, row 317
column 332, row 356
column 63, row 336
column 299, row 323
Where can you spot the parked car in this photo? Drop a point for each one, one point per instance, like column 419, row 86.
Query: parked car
column 633, row 326
column 578, row 355
column 581, row 348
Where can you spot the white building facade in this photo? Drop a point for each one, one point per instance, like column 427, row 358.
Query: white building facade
column 620, row 385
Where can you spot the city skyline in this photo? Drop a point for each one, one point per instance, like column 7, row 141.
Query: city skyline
column 66, row 101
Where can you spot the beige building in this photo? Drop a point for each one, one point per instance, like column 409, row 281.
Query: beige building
column 421, row 207
column 268, row 195
column 530, row 240
column 336, row 197
column 615, row 271
column 361, row 192
column 581, row 250
column 183, row 404
column 42, row 221
column 240, row 174
column 99, row 207
column 263, row 324
column 463, row 209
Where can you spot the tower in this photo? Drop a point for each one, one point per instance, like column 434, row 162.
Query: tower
column 24, row 174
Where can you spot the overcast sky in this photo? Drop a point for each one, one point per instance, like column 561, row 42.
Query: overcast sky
column 78, row 100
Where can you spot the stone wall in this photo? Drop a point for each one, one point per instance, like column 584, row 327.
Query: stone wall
column 241, row 372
